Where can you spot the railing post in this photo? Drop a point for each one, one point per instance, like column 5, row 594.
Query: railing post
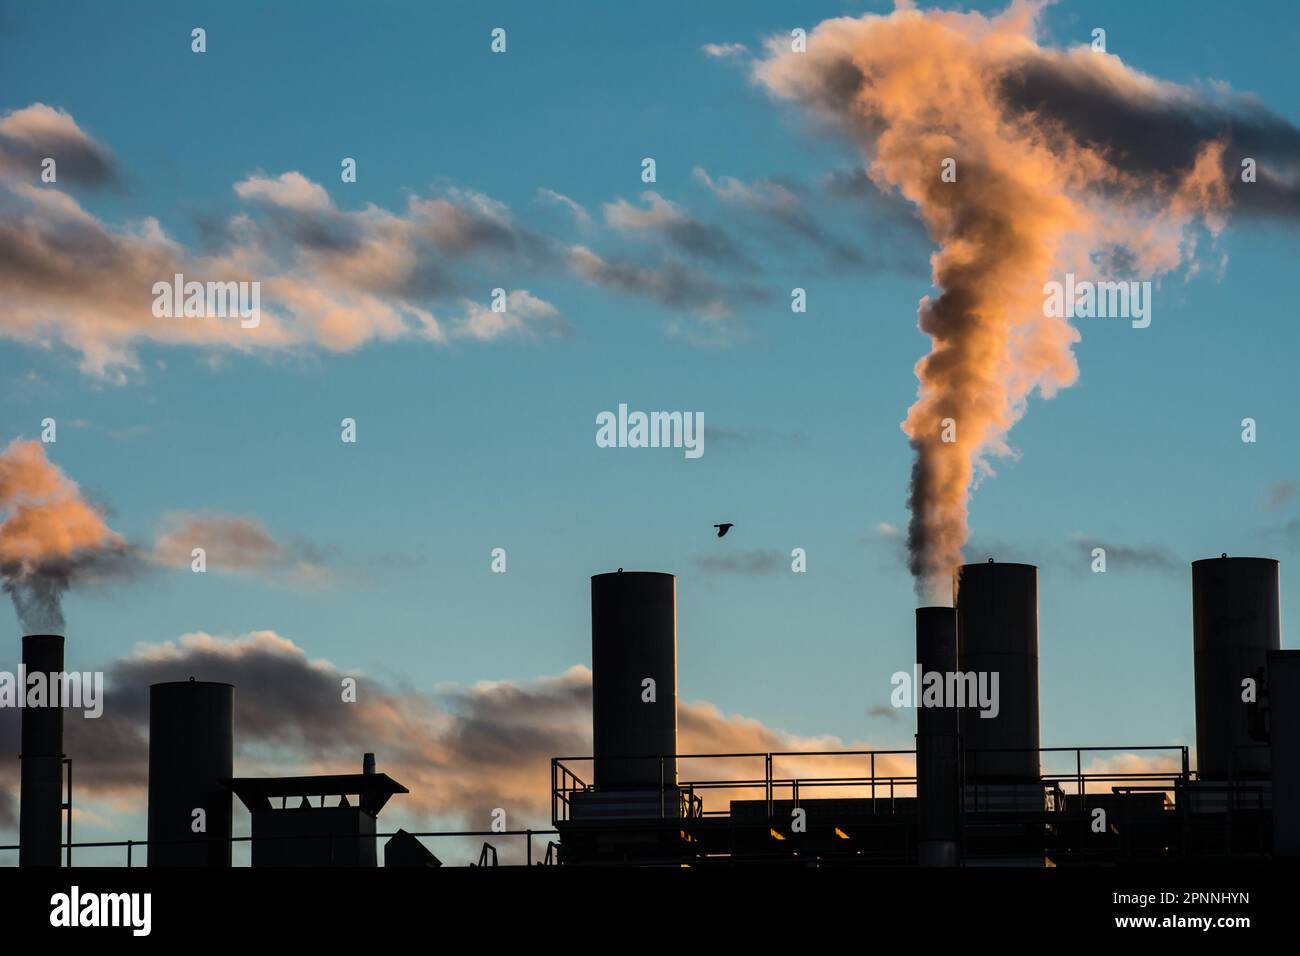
column 873, row 781
column 68, row 761
column 530, row 846
column 128, row 854
column 767, row 783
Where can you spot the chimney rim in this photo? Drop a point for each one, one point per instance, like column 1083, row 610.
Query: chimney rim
column 1237, row 558
column 621, row 573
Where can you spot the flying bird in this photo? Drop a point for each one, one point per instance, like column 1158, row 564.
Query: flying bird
column 723, row 528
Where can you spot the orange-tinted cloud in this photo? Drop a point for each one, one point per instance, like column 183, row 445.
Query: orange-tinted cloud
column 240, row 545
column 462, row 752
column 328, row 278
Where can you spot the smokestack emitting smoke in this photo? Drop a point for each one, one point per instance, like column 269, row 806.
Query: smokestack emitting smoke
column 50, row 536
column 1055, row 172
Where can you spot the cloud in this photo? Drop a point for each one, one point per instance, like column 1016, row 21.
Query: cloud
column 886, row 212
column 725, row 51
column 666, row 219
column 1122, row 556
column 336, row 279
column 881, row 712
column 30, row 135
column 525, row 316
column 671, row 284
column 1277, row 496
column 237, row 545
column 1287, row 535
column 1072, row 555
column 292, row 191
column 778, row 203
column 675, row 285
column 329, row 278
column 580, row 214
column 462, row 751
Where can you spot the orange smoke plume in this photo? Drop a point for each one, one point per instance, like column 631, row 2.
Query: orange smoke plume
column 49, row 535
column 1030, row 195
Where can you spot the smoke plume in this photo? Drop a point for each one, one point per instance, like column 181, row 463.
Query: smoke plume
column 50, row 537
column 1056, row 170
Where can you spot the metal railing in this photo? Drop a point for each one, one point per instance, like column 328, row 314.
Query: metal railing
column 880, row 778
column 1062, row 789
column 569, row 787
column 488, row 849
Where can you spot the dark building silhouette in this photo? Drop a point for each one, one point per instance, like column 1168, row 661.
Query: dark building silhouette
column 1284, row 727
column 983, row 792
column 402, row 849
column 40, row 802
column 1236, row 622
column 191, row 751
column 938, row 769
column 634, row 718
column 634, row 640
column 997, row 632
column 332, row 831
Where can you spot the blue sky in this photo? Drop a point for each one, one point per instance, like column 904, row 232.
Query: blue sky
column 475, row 445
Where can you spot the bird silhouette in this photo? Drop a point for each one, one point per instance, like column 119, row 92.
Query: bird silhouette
column 723, row 528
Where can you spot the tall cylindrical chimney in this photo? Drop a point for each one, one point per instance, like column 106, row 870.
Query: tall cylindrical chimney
column 191, row 751
column 997, row 633
column 1284, row 736
column 1235, row 623
column 40, row 806
column 936, row 741
column 634, row 679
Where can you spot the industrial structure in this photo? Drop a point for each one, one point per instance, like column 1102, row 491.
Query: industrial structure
column 978, row 788
column 320, row 834
column 40, row 799
column 191, row 750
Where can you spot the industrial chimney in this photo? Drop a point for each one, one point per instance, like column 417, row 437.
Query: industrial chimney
column 40, row 807
column 1284, row 727
column 191, row 753
column 1235, row 623
column 936, row 742
column 997, row 632
column 634, row 680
